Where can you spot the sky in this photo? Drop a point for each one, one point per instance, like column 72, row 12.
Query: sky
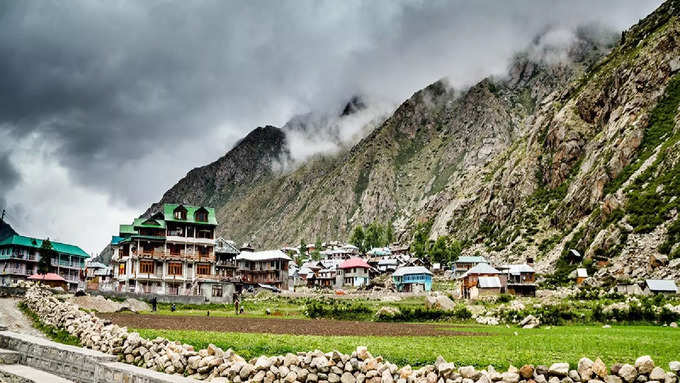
column 105, row 104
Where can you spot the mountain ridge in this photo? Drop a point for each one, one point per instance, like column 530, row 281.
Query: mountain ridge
column 527, row 166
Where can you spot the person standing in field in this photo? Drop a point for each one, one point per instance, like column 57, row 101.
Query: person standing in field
column 154, row 304
column 236, row 302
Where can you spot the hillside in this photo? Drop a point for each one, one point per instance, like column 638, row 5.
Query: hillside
column 580, row 153
column 6, row 230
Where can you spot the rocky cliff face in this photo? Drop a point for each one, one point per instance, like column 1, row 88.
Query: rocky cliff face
column 253, row 160
column 577, row 153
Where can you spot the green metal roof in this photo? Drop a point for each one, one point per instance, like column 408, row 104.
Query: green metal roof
column 20, row 240
column 169, row 209
column 149, row 223
column 127, row 229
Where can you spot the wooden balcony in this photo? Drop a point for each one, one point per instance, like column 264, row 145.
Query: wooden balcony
column 160, row 254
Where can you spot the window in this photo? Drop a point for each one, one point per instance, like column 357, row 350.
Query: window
column 174, row 268
column 203, row 251
column 217, row 290
column 203, row 269
column 146, row 267
column 201, row 215
column 180, row 213
column 121, row 269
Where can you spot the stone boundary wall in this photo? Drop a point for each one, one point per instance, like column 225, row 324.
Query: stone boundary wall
column 183, row 299
column 79, row 364
column 216, row 365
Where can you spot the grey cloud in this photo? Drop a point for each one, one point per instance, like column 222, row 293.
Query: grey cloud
column 123, row 89
column 9, row 177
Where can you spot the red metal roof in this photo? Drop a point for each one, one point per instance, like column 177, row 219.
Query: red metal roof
column 46, row 277
column 354, row 262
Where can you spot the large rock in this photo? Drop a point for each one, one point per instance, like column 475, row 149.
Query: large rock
column 644, row 364
column 628, row 373
column 468, row 372
column 657, row 374
column 440, row 302
column 585, row 369
column 559, row 369
column 527, row 371
column 674, row 366
column 599, row 368
column 530, row 321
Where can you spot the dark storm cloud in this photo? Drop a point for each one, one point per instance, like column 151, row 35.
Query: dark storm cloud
column 9, row 177
column 131, row 95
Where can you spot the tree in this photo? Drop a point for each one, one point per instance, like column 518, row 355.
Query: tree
column 374, row 235
column 316, row 254
column 439, row 252
column 358, row 239
column 389, row 234
column 445, row 250
column 455, row 249
column 420, row 244
column 47, row 253
column 303, row 248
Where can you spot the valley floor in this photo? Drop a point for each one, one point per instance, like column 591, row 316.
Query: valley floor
column 506, row 345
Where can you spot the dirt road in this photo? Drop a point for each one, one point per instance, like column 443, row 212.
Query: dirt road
column 14, row 319
column 280, row 326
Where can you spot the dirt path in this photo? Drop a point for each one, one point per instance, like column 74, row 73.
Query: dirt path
column 280, row 326
column 14, row 319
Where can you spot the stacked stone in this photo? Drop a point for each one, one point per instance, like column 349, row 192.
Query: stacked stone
column 215, row 365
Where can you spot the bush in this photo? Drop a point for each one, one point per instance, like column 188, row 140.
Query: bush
column 505, row 298
column 337, row 310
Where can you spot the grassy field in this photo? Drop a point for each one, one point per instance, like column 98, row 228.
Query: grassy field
column 292, row 308
column 500, row 348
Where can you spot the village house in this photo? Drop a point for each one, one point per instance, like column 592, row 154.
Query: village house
column 386, row 265
column 521, row 279
column 580, row 275
column 326, row 278
column 353, row 272
column 336, row 254
column 98, row 276
column 482, row 280
column 465, row 263
column 225, row 260
column 170, row 253
column 269, row 267
column 412, row 279
column 398, row 250
column 660, row 286
column 19, row 257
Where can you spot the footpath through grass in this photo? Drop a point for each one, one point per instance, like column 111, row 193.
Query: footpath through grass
column 500, row 349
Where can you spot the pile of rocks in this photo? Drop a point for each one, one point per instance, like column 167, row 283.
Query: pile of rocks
column 217, row 365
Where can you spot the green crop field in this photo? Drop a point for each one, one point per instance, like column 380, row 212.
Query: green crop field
column 501, row 347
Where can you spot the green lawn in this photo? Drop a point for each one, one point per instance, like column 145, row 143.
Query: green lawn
column 500, row 349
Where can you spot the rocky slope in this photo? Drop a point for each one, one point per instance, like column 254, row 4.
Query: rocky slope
column 577, row 153
column 6, row 230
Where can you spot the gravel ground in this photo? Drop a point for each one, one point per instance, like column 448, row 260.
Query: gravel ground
column 280, row 326
column 14, row 319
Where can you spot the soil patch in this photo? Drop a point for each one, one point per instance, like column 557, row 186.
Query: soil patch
column 281, row 326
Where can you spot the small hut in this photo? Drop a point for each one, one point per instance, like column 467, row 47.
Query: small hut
column 50, row 279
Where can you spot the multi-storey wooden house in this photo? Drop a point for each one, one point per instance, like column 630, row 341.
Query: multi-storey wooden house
column 171, row 253
column 19, row 257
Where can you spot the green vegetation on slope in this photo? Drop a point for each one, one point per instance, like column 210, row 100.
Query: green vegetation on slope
column 53, row 333
column 500, row 346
